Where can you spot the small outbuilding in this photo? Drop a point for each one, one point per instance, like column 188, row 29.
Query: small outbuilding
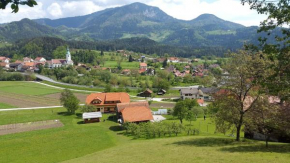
column 161, row 92
column 146, row 93
column 92, row 117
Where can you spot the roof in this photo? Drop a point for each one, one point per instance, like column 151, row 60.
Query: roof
column 3, row 58
column 148, row 90
column 92, row 115
column 209, row 90
column 30, row 64
column 14, row 64
column 200, row 101
column 3, row 64
column 143, row 64
column 38, row 59
column 103, row 97
column 58, row 61
column 142, row 70
column 189, row 90
column 173, row 58
column 121, row 106
column 136, row 114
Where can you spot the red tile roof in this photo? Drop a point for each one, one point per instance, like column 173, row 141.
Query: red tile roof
column 200, row 101
column 136, row 114
column 143, row 64
column 121, row 106
column 103, row 97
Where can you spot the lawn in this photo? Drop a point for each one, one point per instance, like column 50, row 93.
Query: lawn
column 53, row 145
column 124, row 64
column 26, row 88
column 103, row 142
column 6, row 106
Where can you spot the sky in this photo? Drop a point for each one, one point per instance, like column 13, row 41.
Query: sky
column 231, row 10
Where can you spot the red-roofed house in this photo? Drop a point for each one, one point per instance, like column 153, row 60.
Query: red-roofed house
column 107, row 102
column 143, row 66
column 4, row 59
column 173, row 59
column 40, row 59
column 136, row 114
column 4, row 65
column 27, row 59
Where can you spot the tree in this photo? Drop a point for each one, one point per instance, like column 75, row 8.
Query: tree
column 88, row 108
column 164, row 64
column 264, row 118
column 102, row 53
column 108, row 88
column 59, row 52
column 277, row 19
column 130, row 58
column 69, row 101
column 241, row 90
column 15, row 4
column 190, row 116
column 180, row 111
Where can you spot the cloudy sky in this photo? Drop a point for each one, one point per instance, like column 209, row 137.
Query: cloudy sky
column 231, row 10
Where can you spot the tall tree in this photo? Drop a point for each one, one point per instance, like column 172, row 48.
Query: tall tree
column 69, row 101
column 164, row 64
column 241, row 90
column 130, row 58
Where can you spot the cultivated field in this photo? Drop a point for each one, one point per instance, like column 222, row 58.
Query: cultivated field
column 29, row 94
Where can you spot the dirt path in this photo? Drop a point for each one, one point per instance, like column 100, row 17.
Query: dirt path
column 30, row 126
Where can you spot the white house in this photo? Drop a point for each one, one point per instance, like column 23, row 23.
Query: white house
column 54, row 63
column 4, row 59
column 40, row 59
column 191, row 93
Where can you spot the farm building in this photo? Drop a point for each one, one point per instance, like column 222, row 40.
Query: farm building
column 92, row 117
column 107, row 102
column 136, row 114
column 146, row 93
column 161, row 92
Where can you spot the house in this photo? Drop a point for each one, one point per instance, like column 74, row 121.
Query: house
column 121, row 106
column 107, row 102
column 161, row 92
column 40, row 59
column 190, row 93
column 15, row 66
column 208, row 93
column 143, row 66
column 4, row 65
column 150, row 72
column 146, row 93
column 4, row 59
column 27, row 59
column 92, row 117
column 54, row 63
column 173, row 60
column 136, row 114
column 30, row 66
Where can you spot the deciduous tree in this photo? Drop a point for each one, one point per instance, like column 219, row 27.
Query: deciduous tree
column 69, row 101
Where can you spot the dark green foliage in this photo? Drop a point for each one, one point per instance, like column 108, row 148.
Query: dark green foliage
column 182, row 108
column 11, row 77
column 15, row 4
column 157, row 130
column 130, row 58
column 88, row 108
column 69, row 101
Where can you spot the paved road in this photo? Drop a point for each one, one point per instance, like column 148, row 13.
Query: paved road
column 45, row 78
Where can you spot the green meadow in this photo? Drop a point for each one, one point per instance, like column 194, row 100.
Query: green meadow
column 105, row 142
column 6, row 106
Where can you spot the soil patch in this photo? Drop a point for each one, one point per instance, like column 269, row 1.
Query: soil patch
column 22, row 103
column 29, row 126
column 80, row 96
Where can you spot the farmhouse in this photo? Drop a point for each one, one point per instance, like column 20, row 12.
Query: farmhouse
column 143, row 66
column 40, row 59
column 173, row 59
column 4, row 59
column 191, row 93
column 92, row 117
column 107, row 102
column 4, row 65
column 27, row 59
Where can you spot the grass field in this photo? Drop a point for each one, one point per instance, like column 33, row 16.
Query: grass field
column 124, row 64
column 6, row 106
column 26, row 88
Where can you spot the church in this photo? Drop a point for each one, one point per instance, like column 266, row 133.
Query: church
column 55, row 63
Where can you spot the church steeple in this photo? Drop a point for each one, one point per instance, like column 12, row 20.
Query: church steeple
column 68, row 56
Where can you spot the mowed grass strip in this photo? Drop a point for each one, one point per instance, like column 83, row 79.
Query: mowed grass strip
column 6, row 106
column 56, row 144
column 26, row 88
column 197, row 149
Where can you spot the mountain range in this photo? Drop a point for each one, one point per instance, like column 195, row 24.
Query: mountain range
column 136, row 20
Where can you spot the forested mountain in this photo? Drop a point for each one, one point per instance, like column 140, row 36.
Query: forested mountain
column 137, row 20
column 44, row 46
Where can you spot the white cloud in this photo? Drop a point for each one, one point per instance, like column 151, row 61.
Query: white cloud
column 54, row 10
column 231, row 10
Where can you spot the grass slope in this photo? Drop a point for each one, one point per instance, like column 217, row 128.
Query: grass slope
column 52, row 145
column 6, row 106
column 26, row 88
